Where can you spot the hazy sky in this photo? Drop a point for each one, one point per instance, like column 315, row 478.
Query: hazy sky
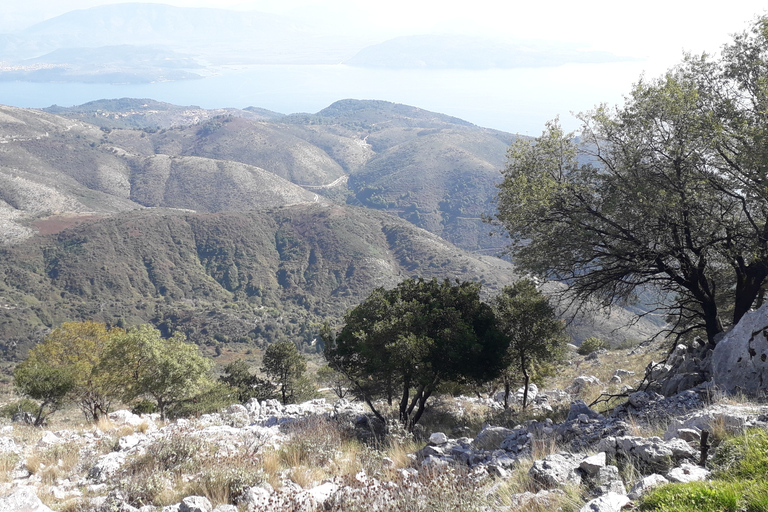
column 660, row 29
column 656, row 31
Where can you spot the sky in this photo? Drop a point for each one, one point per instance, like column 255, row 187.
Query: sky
column 657, row 29
column 657, row 32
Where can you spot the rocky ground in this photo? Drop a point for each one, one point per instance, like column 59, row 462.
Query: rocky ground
column 318, row 456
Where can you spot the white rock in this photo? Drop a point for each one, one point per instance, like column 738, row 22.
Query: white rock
column 646, row 484
column 49, row 439
column 740, row 359
column 8, row 445
column 195, row 504
column 611, row 502
column 591, row 465
column 438, row 438
column 23, row 500
column 322, row 492
column 688, row 473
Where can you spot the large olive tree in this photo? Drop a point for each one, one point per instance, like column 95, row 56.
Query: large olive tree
column 668, row 191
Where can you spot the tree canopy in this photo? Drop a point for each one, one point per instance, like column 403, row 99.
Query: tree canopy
column 534, row 334
column 66, row 365
column 141, row 363
column 400, row 344
column 283, row 362
column 667, row 191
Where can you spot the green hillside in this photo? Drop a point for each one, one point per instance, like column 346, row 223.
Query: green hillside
column 256, row 276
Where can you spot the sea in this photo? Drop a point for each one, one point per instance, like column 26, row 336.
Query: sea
column 518, row 100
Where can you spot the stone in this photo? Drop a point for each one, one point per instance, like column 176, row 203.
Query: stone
column 438, row 438
column 578, row 407
column 23, row 499
column 490, row 438
column 740, row 359
column 591, row 465
column 256, row 498
column 322, row 492
column 222, row 508
column 582, row 382
column 106, row 466
column 611, row 502
column 556, row 470
column 195, row 504
column 607, row 480
column 688, row 473
column 646, row 484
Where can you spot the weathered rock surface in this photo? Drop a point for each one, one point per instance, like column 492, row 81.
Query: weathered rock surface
column 740, row 359
column 23, row 499
column 646, row 484
column 611, row 502
column 556, row 470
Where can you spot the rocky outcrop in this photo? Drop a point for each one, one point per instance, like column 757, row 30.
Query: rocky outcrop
column 23, row 499
column 740, row 359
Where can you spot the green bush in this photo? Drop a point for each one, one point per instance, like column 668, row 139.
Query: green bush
column 590, row 345
column 144, row 407
column 739, row 468
column 23, row 405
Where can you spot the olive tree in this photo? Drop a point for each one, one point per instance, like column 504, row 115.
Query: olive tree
column 400, row 344
column 141, row 363
column 68, row 361
column 666, row 192
column 535, row 335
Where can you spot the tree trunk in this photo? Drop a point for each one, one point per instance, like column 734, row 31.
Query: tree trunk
column 506, row 392
column 525, row 389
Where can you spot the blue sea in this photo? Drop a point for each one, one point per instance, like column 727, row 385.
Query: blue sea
column 513, row 100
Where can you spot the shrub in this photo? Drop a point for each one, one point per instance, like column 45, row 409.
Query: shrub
column 590, row 345
column 23, row 405
column 144, row 407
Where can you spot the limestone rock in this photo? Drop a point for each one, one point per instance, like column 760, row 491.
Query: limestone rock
column 578, row 407
column 688, row 473
column 611, row 502
column 195, row 504
column 740, row 359
column 556, row 470
column 23, row 500
column 646, row 484
column 591, row 465
column 490, row 438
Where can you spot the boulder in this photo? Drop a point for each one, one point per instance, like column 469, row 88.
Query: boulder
column 23, row 499
column 740, row 359
column 591, row 465
column 195, row 504
column 581, row 382
column 646, row 484
column 688, row 473
column 490, row 438
column 438, row 438
column 579, row 407
column 556, row 470
column 611, row 502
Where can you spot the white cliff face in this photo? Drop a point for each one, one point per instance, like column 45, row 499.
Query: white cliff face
column 740, row 359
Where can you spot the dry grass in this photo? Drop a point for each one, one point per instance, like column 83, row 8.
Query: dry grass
column 8, row 463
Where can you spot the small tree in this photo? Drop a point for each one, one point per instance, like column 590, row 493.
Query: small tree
column 283, row 362
column 41, row 381
column 534, row 333
column 246, row 384
column 402, row 343
column 74, row 350
column 142, row 363
column 333, row 379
